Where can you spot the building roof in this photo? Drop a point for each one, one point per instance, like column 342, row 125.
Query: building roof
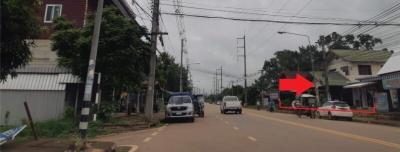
column 392, row 64
column 363, row 55
column 334, row 78
column 50, row 82
column 41, row 76
column 43, row 68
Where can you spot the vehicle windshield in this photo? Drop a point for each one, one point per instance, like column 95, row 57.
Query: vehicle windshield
column 231, row 98
column 179, row 100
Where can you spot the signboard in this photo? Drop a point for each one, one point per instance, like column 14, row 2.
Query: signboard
column 395, row 99
column 391, row 84
column 381, row 102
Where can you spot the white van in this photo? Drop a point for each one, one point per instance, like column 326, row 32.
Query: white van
column 231, row 103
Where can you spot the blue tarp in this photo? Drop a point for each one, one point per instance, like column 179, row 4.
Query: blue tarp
column 10, row 134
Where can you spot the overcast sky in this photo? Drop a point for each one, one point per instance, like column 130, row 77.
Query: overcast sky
column 213, row 42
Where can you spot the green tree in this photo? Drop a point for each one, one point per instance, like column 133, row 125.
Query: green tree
column 18, row 29
column 337, row 41
column 122, row 57
column 168, row 73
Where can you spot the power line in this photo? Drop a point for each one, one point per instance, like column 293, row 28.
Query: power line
column 262, row 14
column 147, row 13
column 282, row 21
column 382, row 13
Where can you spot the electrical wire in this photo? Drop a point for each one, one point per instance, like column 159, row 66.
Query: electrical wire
column 262, row 14
column 282, row 21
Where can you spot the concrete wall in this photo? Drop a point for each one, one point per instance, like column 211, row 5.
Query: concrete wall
column 353, row 68
column 44, row 105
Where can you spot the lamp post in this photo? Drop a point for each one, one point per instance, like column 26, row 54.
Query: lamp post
column 312, row 59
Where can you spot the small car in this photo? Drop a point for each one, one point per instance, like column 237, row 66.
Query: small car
column 335, row 109
column 231, row 103
column 180, row 106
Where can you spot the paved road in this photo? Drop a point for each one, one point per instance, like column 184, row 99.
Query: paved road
column 262, row 131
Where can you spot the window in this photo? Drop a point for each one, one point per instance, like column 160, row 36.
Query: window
column 345, row 70
column 332, row 70
column 364, row 70
column 52, row 11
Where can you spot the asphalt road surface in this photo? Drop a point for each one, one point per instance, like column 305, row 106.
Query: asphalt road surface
column 261, row 131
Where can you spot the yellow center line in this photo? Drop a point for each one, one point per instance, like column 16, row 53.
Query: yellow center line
column 338, row 133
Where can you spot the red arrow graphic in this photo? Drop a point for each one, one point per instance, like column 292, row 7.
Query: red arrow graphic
column 298, row 85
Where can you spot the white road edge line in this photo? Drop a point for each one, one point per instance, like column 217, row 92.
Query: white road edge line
column 154, row 133
column 252, row 138
column 133, row 147
column 236, row 128
column 147, row 139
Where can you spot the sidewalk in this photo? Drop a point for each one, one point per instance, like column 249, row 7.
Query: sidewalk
column 372, row 120
column 361, row 119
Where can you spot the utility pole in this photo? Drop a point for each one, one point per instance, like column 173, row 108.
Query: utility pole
column 220, row 69
column 326, row 71
column 216, row 82
column 85, row 112
column 153, row 61
column 245, row 67
column 181, row 69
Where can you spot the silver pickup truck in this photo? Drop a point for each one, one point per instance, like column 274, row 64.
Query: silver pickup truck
column 231, row 103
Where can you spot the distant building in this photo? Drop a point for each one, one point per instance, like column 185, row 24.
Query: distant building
column 355, row 64
column 360, row 67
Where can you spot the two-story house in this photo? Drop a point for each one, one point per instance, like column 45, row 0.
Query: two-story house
column 46, row 87
column 356, row 65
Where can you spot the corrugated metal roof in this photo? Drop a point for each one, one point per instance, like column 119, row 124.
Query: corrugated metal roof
column 392, row 65
column 43, row 68
column 363, row 55
column 38, row 82
column 335, row 78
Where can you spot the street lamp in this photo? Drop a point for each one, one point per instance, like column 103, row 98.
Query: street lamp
column 312, row 58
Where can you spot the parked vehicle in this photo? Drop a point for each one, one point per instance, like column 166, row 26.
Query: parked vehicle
column 231, row 103
column 198, row 103
column 180, row 106
column 335, row 109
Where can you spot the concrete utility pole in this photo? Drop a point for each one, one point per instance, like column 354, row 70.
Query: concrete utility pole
column 245, row 67
column 85, row 111
column 220, row 69
column 98, row 97
column 153, row 61
column 326, row 71
column 181, row 69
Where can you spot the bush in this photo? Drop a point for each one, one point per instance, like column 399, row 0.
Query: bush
column 55, row 128
column 106, row 110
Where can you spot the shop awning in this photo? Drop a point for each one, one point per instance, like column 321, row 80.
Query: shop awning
column 358, row 85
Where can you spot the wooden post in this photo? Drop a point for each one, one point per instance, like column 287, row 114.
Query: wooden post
column 30, row 121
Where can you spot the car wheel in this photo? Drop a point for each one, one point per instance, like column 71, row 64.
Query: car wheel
column 202, row 114
column 240, row 111
column 192, row 119
column 318, row 115
column 350, row 119
column 330, row 117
